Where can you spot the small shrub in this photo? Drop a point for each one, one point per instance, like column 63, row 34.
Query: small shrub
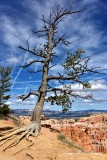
column 61, row 137
column 70, row 144
column 4, row 110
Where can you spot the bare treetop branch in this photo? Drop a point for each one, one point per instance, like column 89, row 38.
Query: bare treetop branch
column 32, row 62
column 34, row 52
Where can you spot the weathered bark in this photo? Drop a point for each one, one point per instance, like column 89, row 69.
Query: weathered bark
column 43, row 87
column 38, row 109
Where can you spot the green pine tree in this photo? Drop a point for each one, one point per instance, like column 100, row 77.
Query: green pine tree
column 5, row 83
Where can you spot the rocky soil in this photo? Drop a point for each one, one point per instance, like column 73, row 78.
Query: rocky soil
column 47, row 146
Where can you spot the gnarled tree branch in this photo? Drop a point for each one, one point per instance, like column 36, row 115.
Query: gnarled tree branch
column 34, row 61
column 61, row 78
column 31, row 71
column 34, row 52
column 23, row 97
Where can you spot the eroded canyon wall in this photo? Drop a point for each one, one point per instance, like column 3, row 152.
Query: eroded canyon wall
column 90, row 132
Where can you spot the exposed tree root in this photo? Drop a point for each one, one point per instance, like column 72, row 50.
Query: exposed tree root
column 7, row 140
column 30, row 155
column 8, row 131
column 31, row 143
column 25, row 132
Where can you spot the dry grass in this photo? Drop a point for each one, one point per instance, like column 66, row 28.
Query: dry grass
column 69, row 142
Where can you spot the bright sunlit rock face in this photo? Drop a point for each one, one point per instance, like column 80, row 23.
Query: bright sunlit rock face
column 89, row 133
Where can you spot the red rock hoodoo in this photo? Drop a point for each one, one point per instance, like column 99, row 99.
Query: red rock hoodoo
column 90, row 132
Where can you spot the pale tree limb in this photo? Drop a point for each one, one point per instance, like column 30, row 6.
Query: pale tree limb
column 33, row 52
column 23, row 97
column 31, row 71
column 32, row 62
column 7, row 140
column 11, row 130
column 61, row 78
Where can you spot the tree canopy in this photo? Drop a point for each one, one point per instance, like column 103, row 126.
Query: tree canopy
column 75, row 65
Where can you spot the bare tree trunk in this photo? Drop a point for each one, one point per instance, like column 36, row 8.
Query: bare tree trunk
column 42, row 90
column 38, row 109
column 41, row 98
column 42, row 93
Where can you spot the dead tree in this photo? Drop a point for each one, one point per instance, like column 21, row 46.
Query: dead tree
column 75, row 66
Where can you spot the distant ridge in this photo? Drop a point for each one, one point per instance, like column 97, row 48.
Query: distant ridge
column 59, row 114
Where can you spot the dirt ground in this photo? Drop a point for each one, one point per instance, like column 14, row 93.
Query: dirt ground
column 46, row 147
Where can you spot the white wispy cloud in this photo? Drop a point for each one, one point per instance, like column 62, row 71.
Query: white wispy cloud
column 13, row 32
column 13, row 60
column 28, row 81
column 98, row 85
column 99, row 60
column 17, row 32
column 8, row 103
column 18, row 73
column 87, row 100
column 57, row 69
column 82, row 30
column 95, row 85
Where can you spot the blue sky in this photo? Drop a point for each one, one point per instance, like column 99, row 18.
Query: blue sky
column 87, row 30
